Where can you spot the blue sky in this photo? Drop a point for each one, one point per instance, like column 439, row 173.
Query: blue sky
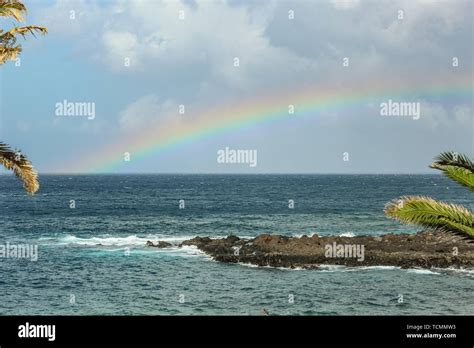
column 190, row 61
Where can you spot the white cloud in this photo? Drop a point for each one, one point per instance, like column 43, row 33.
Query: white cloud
column 157, row 42
column 190, row 61
column 120, row 46
column 345, row 4
column 442, row 117
column 147, row 111
column 71, row 18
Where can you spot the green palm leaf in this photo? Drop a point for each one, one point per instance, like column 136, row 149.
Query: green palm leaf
column 427, row 212
column 457, row 167
column 452, row 158
column 460, row 175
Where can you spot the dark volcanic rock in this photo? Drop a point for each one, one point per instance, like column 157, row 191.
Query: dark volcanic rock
column 197, row 241
column 215, row 246
column 160, row 244
column 425, row 249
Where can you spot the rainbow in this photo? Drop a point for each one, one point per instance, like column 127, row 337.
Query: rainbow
column 267, row 108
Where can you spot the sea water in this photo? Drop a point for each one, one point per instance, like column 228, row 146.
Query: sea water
column 91, row 230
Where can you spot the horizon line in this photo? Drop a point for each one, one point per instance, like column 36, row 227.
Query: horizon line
column 213, row 173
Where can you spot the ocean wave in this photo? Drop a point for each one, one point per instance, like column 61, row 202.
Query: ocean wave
column 324, row 268
column 133, row 244
column 123, row 241
column 105, row 240
column 421, row 271
column 185, row 251
column 347, row 234
column 342, row 268
column 299, row 235
column 380, row 267
column 464, row 271
column 251, row 265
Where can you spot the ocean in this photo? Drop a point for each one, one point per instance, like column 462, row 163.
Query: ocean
column 90, row 232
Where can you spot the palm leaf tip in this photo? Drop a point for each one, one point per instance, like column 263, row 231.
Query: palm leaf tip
column 457, row 167
column 12, row 8
column 21, row 167
column 427, row 212
column 451, row 158
column 9, row 49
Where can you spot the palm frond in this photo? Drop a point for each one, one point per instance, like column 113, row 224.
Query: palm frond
column 28, row 29
column 12, row 8
column 457, row 167
column 451, row 158
column 9, row 53
column 462, row 176
column 9, row 49
column 427, row 212
column 21, row 167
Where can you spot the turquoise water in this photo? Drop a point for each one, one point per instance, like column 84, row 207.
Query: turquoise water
column 92, row 259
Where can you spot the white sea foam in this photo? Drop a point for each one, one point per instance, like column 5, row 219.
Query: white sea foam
column 132, row 244
column 299, row 235
column 106, row 240
column 251, row 265
column 331, row 268
column 464, row 271
column 324, row 268
column 421, row 271
column 130, row 241
column 127, row 241
column 435, row 271
column 347, row 234
column 380, row 267
column 342, row 268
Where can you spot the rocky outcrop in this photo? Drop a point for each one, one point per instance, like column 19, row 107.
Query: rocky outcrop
column 159, row 244
column 425, row 249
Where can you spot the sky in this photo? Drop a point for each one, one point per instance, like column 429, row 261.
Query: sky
column 172, row 83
